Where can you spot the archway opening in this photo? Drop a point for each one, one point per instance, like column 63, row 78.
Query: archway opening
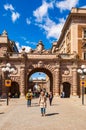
column 66, row 89
column 40, row 79
column 14, row 90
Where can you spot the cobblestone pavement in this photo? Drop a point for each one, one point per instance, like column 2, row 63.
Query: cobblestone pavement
column 64, row 114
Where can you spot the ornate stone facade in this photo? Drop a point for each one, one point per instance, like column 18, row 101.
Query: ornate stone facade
column 60, row 63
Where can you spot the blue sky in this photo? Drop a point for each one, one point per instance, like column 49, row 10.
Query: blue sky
column 28, row 21
column 38, row 75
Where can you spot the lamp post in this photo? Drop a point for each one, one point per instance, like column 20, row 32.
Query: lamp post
column 82, row 72
column 7, row 70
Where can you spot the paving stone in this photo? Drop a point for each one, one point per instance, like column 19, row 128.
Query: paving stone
column 64, row 114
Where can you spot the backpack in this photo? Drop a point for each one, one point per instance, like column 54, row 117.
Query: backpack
column 28, row 96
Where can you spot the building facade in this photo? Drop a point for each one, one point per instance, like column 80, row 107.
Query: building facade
column 60, row 63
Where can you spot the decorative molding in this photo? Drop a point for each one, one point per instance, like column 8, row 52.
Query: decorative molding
column 15, row 72
column 15, row 78
column 66, row 72
column 67, row 79
column 40, row 64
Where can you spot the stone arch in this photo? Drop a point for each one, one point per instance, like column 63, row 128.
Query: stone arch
column 41, row 64
column 14, row 89
column 66, row 89
column 44, row 70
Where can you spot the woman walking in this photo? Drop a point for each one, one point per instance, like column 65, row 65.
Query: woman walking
column 42, row 103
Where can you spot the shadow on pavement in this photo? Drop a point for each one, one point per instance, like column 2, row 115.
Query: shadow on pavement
column 1, row 112
column 51, row 114
column 2, row 100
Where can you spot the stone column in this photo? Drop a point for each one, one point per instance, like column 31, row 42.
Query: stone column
column 75, row 82
column 22, row 81
column 56, row 80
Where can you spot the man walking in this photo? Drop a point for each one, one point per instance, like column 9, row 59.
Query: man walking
column 29, row 97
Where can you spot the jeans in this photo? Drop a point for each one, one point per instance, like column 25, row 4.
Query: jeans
column 29, row 102
column 43, row 110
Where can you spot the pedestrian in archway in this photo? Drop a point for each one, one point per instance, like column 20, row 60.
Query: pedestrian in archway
column 50, row 98
column 42, row 103
column 29, row 97
column 63, row 94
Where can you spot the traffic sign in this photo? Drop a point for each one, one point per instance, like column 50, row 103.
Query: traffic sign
column 83, row 83
column 7, row 83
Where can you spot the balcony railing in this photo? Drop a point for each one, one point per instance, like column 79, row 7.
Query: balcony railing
column 43, row 56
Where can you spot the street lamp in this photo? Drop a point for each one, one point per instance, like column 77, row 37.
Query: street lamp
column 7, row 70
column 82, row 72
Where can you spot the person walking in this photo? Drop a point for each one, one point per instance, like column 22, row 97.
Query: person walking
column 50, row 98
column 29, row 97
column 63, row 94
column 43, row 103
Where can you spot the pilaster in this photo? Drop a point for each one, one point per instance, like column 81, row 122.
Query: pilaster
column 75, row 82
column 56, row 79
column 22, row 81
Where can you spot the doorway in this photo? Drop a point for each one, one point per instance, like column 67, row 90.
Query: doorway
column 66, row 89
column 14, row 90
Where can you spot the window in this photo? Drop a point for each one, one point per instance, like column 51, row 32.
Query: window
column 84, row 36
column 85, row 56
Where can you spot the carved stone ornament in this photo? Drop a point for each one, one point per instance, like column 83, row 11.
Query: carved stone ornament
column 40, row 64
column 66, row 72
column 15, row 72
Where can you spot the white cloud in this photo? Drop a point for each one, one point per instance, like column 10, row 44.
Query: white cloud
column 39, row 78
column 31, row 43
column 83, row 6
column 66, row 4
column 27, row 41
column 52, row 29
column 27, row 48
column 42, row 11
column 18, row 46
column 8, row 7
column 15, row 16
column 28, row 21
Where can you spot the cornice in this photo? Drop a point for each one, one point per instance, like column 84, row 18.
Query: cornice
column 69, row 20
